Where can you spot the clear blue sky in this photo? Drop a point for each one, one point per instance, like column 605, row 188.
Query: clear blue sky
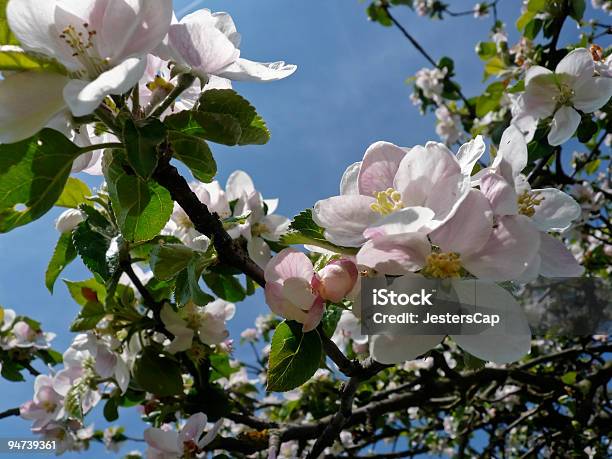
column 348, row 92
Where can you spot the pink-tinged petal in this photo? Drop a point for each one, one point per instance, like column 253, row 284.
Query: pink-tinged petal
column 469, row 229
column 500, row 193
column 336, row 280
column 84, row 97
column 279, row 305
column 163, row 440
column 315, row 314
column 33, row 23
column 540, row 95
column 350, row 179
column 395, row 255
column 345, row 218
column 408, row 220
column 193, row 428
column 122, row 375
column 508, row 341
column 557, row 260
column 298, row 292
column 508, row 251
column 421, row 170
column 133, row 28
column 533, row 270
column 397, row 349
column 246, row 70
column 379, row 166
column 469, row 154
column 535, row 71
column 447, row 195
column 238, row 184
column 259, row 251
column 564, row 124
column 557, row 210
column 28, row 101
column 592, row 93
column 578, row 63
column 211, row 434
column 511, row 158
column 289, row 263
column 204, row 48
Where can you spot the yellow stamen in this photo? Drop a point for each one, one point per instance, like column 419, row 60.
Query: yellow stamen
column 160, row 83
column 442, row 265
column 387, row 202
column 527, row 203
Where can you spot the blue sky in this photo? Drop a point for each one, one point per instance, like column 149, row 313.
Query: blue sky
column 348, row 92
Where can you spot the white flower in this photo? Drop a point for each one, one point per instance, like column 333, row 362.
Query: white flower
column 7, row 317
column 605, row 5
column 570, row 88
column 448, row 126
column 101, row 43
column 46, row 406
column 207, row 323
column 22, row 335
column 166, row 443
column 431, row 82
column 69, row 220
column 207, row 44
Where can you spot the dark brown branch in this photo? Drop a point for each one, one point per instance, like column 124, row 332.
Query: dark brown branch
column 9, row 413
column 207, row 223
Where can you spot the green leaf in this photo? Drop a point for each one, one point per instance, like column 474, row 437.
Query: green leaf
column 221, row 367
column 15, row 59
column 294, row 357
column 330, row 319
column 486, row 50
column 526, row 17
column 195, row 154
column 63, row 255
column 471, row 362
column 577, row 8
column 91, row 314
column 75, row 193
column 489, row 100
column 11, row 371
column 494, row 66
column 142, row 208
column 518, row 87
column 377, row 14
column 532, row 29
column 592, row 166
column 32, row 176
column 6, row 36
column 188, row 286
column 225, row 287
column 304, row 230
column 158, row 374
column 111, row 412
column 587, row 129
column 92, row 247
column 141, row 141
column 448, row 64
column 86, row 291
column 537, row 6
column 229, row 119
column 168, row 260
column 569, row 378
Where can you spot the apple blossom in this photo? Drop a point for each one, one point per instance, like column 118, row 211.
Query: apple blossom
column 23, row 335
column 46, row 406
column 347, row 330
column 165, row 443
column 69, row 220
column 431, row 82
column 206, row 323
column 393, row 180
column 207, row 44
column 448, row 125
column 571, row 88
column 295, row 292
column 102, row 45
column 7, row 317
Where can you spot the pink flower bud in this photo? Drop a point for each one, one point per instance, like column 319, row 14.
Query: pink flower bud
column 335, row 280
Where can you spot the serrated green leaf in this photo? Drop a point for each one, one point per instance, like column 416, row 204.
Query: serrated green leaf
column 32, row 176
column 486, row 50
column 494, row 66
column 89, row 317
column 158, row 374
column 168, row 260
column 142, row 209
column 330, row 319
column 86, row 291
column 75, row 193
column 92, row 247
column 188, row 286
column 225, row 287
column 294, row 356
column 195, row 154
column 63, row 255
column 141, row 141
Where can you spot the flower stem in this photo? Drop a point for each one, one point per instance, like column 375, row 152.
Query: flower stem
column 185, row 80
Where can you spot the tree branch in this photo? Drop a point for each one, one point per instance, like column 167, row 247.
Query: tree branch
column 9, row 413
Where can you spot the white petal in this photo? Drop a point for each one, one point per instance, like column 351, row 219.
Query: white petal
column 578, row 63
column 469, row 154
column 28, row 101
column 211, row 434
column 349, row 183
column 540, row 95
column 162, row 440
column 535, row 71
column 408, row 220
column 556, row 259
column 378, row 168
column 239, row 183
column 592, row 93
column 32, row 22
column 557, row 211
column 563, row 126
column 345, row 218
column 500, row 193
column 133, row 27
column 398, row 349
column 395, row 255
column 508, row 343
column 511, row 158
column 259, row 251
column 84, row 97
column 276, row 226
column 245, row 70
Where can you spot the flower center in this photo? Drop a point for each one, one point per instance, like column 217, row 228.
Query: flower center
column 259, row 228
column 442, row 265
column 49, row 406
column 83, row 49
column 160, row 83
column 387, row 202
column 527, row 203
column 566, row 93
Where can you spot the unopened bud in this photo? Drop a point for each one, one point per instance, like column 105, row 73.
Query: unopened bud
column 68, row 220
column 335, row 280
